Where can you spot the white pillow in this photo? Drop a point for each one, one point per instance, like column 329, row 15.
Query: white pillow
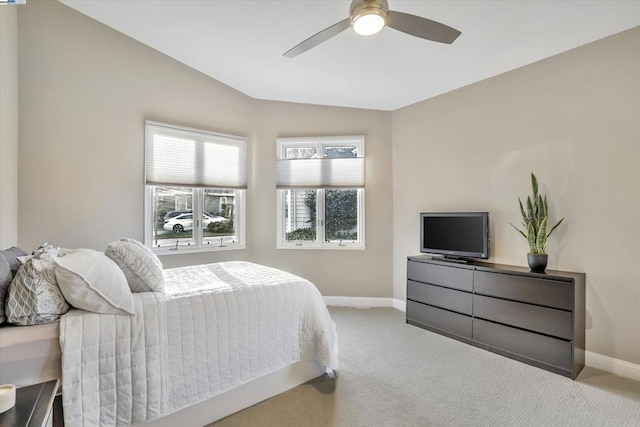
column 140, row 265
column 90, row 281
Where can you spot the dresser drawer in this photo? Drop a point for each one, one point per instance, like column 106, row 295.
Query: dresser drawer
column 451, row 277
column 447, row 321
column 531, row 345
column 540, row 319
column 551, row 293
column 441, row 297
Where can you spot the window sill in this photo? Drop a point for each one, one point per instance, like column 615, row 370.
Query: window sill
column 187, row 250
column 335, row 247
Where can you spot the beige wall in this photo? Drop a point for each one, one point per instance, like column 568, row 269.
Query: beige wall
column 345, row 273
column 573, row 119
column 8, row 126
column 85, row 93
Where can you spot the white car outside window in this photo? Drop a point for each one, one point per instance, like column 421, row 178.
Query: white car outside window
column 184, row 222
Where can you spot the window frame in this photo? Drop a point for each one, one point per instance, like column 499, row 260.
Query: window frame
column 199, row 245
column 320, row 144
column 198, row 191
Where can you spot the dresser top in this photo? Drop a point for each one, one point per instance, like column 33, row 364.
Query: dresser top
column 497, row 268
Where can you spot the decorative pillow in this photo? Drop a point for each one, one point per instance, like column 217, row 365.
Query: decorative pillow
column 9, row 265
column 156, row 260
column 140, row 265
column 5, row 280
column 34, row 296
column 90, row 281
column 45, row 252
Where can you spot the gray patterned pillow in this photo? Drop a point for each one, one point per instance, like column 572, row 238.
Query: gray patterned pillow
column 34, row 295
column 140, row 265
column 9, row 265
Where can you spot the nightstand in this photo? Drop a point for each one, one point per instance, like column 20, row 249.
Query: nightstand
column 34, row 406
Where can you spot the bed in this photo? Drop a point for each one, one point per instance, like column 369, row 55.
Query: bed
column 220, row 337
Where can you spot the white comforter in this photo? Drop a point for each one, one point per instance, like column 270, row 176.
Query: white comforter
column 216, row 326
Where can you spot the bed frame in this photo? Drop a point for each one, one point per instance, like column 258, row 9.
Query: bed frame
column 30, row 354
column 242, row 397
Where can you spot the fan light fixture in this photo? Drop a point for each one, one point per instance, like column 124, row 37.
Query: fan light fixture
column 368, row 17
column 369, row 21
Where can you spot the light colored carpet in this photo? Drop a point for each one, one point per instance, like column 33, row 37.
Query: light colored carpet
column 394, row 374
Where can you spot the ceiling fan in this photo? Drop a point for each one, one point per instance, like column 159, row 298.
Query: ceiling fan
column 367, row 17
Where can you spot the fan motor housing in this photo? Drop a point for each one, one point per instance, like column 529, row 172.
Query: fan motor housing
column 359, row 6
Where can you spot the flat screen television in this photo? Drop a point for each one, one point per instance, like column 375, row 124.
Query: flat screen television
column 458, row 236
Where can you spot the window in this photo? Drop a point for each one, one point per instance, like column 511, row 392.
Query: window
column 195, row 184
column 320, row 185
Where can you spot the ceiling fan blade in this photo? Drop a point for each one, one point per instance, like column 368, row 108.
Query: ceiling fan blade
column 422, row 27
column 318, row 38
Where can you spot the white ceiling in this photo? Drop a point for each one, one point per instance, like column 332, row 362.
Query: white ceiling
column 241, row 42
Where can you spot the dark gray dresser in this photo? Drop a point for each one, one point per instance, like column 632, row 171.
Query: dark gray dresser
column 536, row 318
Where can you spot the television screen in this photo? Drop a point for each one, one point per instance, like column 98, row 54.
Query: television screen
column 455, row 234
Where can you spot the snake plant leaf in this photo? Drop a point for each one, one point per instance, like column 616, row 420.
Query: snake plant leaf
column 555, row 226
column 531, row 239
column 519, row 231
column 534, row 185
column 524, row 215
column 546, row 205
column 542, row 207
column 541, row 238
column 529, row 210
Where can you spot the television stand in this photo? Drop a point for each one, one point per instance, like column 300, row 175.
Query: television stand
column 536, row 318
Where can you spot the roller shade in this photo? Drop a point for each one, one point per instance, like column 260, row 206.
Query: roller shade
column 194, row 158
column 320, row 173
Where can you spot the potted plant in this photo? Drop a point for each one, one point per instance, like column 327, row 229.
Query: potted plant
column 535, row 222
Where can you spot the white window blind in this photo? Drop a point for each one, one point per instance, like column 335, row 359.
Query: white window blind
column 320, row 169
column 196, row 158
column 320, row 173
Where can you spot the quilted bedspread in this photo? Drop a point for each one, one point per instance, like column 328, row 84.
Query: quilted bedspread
column 215, row 327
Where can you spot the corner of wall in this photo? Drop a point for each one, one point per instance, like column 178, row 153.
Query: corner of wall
column 8, row 126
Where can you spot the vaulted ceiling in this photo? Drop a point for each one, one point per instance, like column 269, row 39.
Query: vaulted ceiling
column 241, row 43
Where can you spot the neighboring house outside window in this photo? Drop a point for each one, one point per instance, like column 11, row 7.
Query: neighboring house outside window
column 321, row 193
column 195, row 184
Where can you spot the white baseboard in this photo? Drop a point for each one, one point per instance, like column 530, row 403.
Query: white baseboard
column 604, row 363
column 400, row 304
column 365, row 302
column 615, row 366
